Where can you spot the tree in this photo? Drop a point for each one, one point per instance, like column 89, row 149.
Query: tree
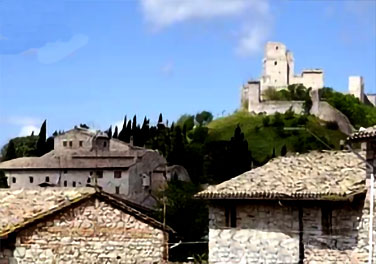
column 239, row 156
column 109, row 132
column 123, row 130
column 115, row 132
column 10, row 151
column 204, row 118
column 41, row 143
column 283, row 150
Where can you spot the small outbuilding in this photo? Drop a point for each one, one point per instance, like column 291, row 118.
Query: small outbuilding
column 77, row 225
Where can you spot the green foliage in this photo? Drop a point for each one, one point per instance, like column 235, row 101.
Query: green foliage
column 333, row 125
column 10, row 151
column 204, row 118
column 187, row 216
column 187, row 121
column 261, row 143
column 359, row 114
column 24, row 147
column 265, row 121
column 41, row 147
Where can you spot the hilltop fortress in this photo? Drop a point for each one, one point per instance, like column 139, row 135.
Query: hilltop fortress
column 278, row 73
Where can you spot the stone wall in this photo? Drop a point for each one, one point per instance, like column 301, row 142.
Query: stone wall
column 92, row 232
column 268, row 232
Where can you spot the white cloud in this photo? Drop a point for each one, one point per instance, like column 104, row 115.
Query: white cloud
column 252, row 39
column 252, row 14
column 55, row 51
column 168, row 68
column 161, row 13
column 27, row 130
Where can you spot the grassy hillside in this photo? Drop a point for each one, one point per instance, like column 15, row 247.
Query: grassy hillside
column 263, row 136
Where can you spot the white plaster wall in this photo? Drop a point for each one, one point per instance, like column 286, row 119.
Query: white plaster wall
column 75, row 136
column 356, row 87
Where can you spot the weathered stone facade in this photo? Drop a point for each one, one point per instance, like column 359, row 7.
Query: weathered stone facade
column 90, row 232
column 275, row 232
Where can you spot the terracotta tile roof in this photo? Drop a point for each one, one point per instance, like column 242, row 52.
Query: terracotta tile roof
column 20, row 207
column 318, row 175
column 71, row 160
column 369, row 132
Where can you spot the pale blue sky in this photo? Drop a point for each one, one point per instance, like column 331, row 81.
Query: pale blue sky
column 94, row 61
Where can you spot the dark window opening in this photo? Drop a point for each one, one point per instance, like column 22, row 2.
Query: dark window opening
column 47, row 179
column 88, row 180
column 117, row 174
column 14, row 180
column 117, row 189
column 70, row 143
column 326, row 220
column 275, row 63
column 65, row 171
column 74, row 184
column 81, row 143
column 105, row 144
column 91, row 173
column 99, row 174
column 230, row 215
column 64, row 143
column 31, row 179
column 176, row 177
column 276, row 47
column 65, row 183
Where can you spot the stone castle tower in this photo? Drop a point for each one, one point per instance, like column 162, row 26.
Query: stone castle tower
column 278, row 70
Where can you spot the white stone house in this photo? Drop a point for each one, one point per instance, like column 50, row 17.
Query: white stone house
column 309, row 208
column 81, row 157
column 77, row 225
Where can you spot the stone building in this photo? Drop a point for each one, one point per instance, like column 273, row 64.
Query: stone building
column 82, row 157
column 76, row 225
column 278, row 73
column 278, row 70
column 309, row 208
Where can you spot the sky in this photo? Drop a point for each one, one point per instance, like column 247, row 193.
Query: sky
column 95, row 61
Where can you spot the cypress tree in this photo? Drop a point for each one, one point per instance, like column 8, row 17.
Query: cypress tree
column 284, row 150
column 123, row 130
column 115, row 132
column 109, row 132
column 128, row 132
column 11, row 151
column 41, row 143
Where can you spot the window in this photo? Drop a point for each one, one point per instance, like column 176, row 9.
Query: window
column 230, row 215
column 74, row 184
column 47, row 179
column 104, row 144
column 65, row 183
column 64, row 143
column 276, row 47
column 99, row 174
column 117, row 189
column 88, row 180
column 70, row 143
column 91, row 173
column 31, row 179
column 275, row 63
column 326, row 220
column 14, row 180
column 117, row 174
column 81, row 143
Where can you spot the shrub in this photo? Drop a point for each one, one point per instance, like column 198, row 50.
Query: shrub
column 265, row 121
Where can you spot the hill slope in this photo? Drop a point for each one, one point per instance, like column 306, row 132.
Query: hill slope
column 265, row 133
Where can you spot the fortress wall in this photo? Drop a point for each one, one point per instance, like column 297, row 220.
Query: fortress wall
column 272, row 107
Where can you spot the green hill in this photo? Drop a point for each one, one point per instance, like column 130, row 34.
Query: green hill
column 265, row 133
